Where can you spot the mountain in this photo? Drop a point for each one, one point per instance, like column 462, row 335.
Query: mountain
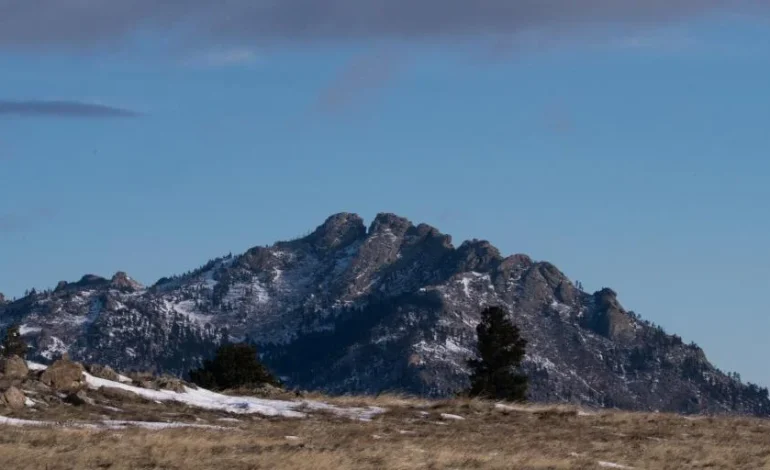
column 391, row 307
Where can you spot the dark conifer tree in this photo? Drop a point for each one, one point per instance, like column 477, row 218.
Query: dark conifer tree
column 501, row 350
column 235, row 365
column 13, row 344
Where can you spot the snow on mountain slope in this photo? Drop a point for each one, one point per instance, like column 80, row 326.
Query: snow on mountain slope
column 391, row 307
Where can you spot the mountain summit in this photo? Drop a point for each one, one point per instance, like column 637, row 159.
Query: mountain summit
column 391, row 307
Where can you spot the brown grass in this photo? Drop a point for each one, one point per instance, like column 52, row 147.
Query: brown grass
column 406, row 437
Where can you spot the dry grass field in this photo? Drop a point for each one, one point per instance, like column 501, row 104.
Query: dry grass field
column 413, row 434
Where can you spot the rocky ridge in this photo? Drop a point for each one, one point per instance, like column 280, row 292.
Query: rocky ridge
column 388, row 307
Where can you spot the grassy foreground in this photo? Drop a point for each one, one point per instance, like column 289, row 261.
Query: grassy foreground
column 411, row 435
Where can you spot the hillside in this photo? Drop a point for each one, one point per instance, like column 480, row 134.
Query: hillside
column 75, row 419
column 391, row 307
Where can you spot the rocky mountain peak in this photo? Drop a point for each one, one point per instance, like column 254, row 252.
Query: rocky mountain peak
column 432, row 237
column 91, row 280
column 478, row 255
column 518, row 261
column 389, row 223
column 609, row 318
column 338, row 231
column 121, row 281
column 394, row 307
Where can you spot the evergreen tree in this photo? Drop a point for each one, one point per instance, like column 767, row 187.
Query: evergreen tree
column 501, row 350
column 13, row 344
column 235, row 365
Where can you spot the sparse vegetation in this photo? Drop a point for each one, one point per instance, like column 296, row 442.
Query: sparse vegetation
column 412, row 435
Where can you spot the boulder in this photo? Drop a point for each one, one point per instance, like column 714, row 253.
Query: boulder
column 103, row 372
column 170, row 383
column 64, row 376
column 79, row 398
column 119, row 394
column 148, row 384
column 13, row 367
column 14, row 398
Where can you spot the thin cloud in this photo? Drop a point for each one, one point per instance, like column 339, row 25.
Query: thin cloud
column 231, row 57
column 362, row 76
column 57, row 23
column 16, row 222
column 62, row 109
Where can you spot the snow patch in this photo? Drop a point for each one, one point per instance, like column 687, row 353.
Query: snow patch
column 25, row 329
column 612, row 465
column 106, row 424
column 452, row 417
column 54, row 349
column 201, row 398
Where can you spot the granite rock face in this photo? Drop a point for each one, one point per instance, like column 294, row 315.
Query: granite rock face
column 391, row 307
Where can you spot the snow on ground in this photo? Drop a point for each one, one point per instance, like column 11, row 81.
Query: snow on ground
column 186, row 308
column 25, row 330
column 56, row 348
column 106, row 424
column 454, row 417
column 612, row 465
column 201, row 398
column 35, row 366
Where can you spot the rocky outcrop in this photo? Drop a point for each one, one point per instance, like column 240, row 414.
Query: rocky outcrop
column 13, row 368
column 122, row 282
column 14, row 399
column 103, row 372
column 391, row 307
column 64, row 376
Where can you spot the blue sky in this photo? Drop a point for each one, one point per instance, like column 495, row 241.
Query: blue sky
column 633, row 157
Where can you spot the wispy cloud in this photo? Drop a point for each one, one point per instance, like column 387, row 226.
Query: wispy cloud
column 227, row 57
column 62, row 109
column 56, row 23
column 16, row 222
column 361, row 77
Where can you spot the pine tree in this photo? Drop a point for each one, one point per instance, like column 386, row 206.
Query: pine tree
column 235, row 365
column 501, row 350
column 13, row 344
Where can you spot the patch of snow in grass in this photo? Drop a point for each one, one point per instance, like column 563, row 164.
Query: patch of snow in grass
column 454, row 417
column 612, row 465
column 20, row 422
column 201, row 398
column 107, row 424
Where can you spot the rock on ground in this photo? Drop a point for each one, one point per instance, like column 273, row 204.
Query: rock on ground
column 64, row 376
column 14, row 399
column 103, row 372
column 14, row 367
